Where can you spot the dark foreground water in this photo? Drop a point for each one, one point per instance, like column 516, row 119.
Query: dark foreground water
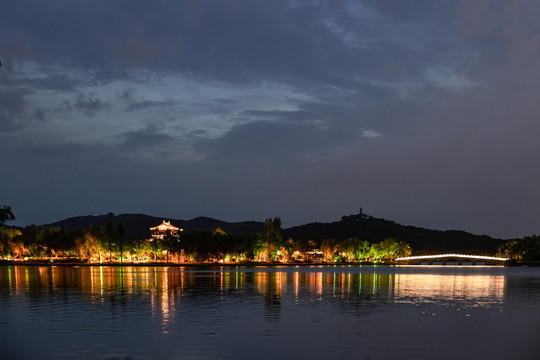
column 415, row 312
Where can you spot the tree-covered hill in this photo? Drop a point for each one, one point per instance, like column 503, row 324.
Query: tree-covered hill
column 373, row 230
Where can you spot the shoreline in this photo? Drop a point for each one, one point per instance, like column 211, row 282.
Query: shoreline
column 238, row 264
column 191, row 264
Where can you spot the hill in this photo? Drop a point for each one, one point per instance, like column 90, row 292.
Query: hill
column 138, row 225
column 422, row 241
column 362, row 226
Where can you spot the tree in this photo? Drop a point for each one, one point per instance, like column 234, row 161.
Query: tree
column 88, row 245
column 6, row 215
column 300, row 247
column 170, row 244
column 355, row 249
column 273, row 236
column 390, row 248
column 261, row 247
column 6, row 236
column 330, row 249
column 156, row 246
column 121, row 235
column 111, row 234
column 375, row 252
column 525, row 251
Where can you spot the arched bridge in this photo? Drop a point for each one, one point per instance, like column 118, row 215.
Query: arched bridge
column 454, row 258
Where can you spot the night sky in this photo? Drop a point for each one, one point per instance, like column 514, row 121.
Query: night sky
column 422, row 112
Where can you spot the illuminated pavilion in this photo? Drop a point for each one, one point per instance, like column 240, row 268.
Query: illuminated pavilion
column 160, row 231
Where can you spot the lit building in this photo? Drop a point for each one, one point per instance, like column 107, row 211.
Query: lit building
column 160, row 231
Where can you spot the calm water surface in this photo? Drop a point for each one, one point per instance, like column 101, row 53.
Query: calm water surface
column 342, row 312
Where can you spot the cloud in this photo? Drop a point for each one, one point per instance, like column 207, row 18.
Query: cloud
column 448, row 79
column 148, row 140
column 370, row 133
column 150, row 104
column 48, row 81
column 90, row 103
column 39, row 115
column 241, row 42
column 12, row 107
column 294, row 116
column 422, row 112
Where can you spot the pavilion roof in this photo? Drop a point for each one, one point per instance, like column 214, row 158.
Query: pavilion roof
column 164, row 226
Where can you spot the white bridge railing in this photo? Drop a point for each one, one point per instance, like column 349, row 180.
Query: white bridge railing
column 462, row 256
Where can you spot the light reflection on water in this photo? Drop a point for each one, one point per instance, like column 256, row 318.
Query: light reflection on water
column 244, row 312
column 477, row 290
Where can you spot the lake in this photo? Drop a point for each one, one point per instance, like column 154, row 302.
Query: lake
column 289, row 312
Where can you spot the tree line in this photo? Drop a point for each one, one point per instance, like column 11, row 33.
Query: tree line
column 112, row 244
column 522, row 251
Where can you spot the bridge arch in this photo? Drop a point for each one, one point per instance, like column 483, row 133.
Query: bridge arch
column 446, row 258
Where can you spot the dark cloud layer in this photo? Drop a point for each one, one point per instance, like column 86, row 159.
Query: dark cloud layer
column 423, row 112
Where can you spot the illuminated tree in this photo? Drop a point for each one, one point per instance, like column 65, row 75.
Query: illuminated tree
column 273, row 237
column 240, row 246
column 330, row 249
column 526, row 250
column 6, row 236
column 218, row 231
column 362, row 250
column 17, row 248
column 301, row 247
column 87, row 246
column 111, row 234
column 121, row 236
column 33, row 239
column 375, row 252
column 171, row 244
column 155, row 247
column 403, row 250
column 355, row 249
column 261, row 248
column 389, row 249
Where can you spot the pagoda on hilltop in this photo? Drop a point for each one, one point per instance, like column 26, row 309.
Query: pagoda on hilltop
column 164, row 229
